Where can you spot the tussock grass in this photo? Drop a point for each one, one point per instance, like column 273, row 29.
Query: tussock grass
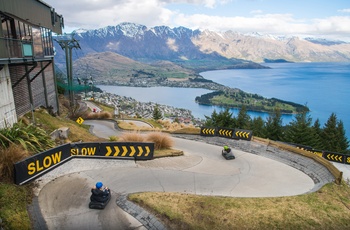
column 329, row 208
column 171, row 126
column 187, row 130
column 131, row 137
column 8, row 157
column 161, row 140
column 99, row 115
column 132, row 126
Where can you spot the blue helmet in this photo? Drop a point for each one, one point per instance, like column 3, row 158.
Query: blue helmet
column 99, row 185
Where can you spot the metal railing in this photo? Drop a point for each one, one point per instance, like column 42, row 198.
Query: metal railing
column 16, row 48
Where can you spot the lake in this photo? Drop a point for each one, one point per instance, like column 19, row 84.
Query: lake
column 323, row 87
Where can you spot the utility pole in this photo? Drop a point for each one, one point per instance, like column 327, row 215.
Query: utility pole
column 67, row 43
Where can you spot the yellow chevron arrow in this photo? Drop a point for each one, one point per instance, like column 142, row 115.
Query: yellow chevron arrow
column 133, row 150
column 109, row 151
column 147, row 151
column 117, row 151
column 140, row 151
column 125, row 151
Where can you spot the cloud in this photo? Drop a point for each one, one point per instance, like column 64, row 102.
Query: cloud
column 93, row 14
column 256, row 12
column 344, row 11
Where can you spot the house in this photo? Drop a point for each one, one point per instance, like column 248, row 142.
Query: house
column 27, row 58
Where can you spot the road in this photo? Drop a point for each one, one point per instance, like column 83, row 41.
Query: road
column 64, row 194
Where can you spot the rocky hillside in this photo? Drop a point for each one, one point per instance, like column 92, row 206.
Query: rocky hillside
column 183, row 46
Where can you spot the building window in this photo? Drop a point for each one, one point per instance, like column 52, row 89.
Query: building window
column 24, row 40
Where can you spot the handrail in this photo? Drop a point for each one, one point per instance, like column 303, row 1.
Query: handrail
column 22, row 48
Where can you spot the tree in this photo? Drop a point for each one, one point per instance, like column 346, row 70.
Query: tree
column 210, row 121
column 317, row 131
column 333, row 135
column 243, row 119
column 222, row 119
column 257, row 126
column 299, row 131
column 157, row 114
column 273, row 127
column 225, row 119
column 343, row 141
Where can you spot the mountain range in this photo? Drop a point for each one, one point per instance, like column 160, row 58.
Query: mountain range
column 128, row 50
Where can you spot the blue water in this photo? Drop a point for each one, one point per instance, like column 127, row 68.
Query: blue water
column 323, row 87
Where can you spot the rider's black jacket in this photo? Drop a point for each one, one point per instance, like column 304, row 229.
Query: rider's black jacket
column 99, row 195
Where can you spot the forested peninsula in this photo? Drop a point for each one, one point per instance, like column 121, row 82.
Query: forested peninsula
column 253, row 102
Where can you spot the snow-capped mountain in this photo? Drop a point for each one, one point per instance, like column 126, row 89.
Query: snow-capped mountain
column 164, row 43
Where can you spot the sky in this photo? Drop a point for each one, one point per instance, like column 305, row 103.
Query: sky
column 328, row 19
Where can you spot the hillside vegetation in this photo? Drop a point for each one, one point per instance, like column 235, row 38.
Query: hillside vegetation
column 109, row 67
column 253, row 102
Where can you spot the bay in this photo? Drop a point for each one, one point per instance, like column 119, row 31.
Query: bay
column 323, row 87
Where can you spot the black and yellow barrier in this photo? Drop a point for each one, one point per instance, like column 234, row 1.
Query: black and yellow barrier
column 225, row 132
column 207, row 131
column 41, row 163
column 331, row 156
column 140, row 151
column 335, row 157
column 243, row 134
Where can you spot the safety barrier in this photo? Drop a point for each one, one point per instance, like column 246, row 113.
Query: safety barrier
column 41, row 163
column 240, row 134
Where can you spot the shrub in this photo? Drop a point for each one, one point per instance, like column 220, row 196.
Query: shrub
column 131, row 137
column 113, row 138
column 161, row 140
column 99, row 115
column 8, row 157
column 30, row 137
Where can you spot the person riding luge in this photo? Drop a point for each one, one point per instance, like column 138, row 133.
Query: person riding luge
column 227, row 153
column 100, row 196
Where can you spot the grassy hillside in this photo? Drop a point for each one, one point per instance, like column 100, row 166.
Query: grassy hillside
column 111, row 67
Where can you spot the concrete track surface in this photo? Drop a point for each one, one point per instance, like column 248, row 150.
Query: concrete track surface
column 63, row 193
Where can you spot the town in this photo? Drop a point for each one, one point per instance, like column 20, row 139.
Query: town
column 127, row 107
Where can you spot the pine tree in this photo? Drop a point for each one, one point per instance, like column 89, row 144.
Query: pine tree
column 317, row 132
column 225, row 119
column 343, row 141
column 211, row 121
column 273, row 128
column 222, row 119
column 330, row 134
column 257, row 126
column 157, row 114
column 243, row 119
column 299, row 131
